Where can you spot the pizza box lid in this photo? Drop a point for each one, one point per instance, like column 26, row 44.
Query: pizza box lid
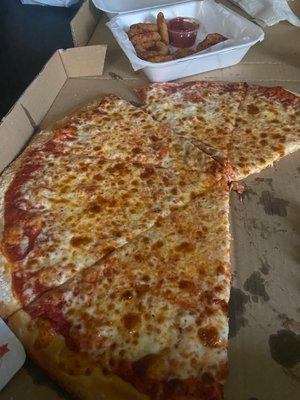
column 12, row 354
column 113, row 7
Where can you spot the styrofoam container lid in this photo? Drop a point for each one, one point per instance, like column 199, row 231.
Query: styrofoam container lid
column 125, row 6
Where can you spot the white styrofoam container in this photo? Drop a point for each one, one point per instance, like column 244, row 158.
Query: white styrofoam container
column 213, row 17
column 12, row 354
column 114, row 7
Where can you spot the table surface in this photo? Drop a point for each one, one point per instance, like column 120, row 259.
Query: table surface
column 29, row 35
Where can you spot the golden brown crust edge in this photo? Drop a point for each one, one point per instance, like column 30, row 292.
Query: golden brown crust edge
column 93, row 385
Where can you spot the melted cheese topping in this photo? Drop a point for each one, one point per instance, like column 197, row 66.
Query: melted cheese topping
column 88, row 192
column 268, row 127
column 205, row 111
column 250, row 127
column 155, row 311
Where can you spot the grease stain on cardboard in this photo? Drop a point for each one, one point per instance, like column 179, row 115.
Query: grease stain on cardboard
column 265, row 231
column 254, row 224
column 285, row 347
column 237, row 303
column 273, row 205
column 265, row 266
column 287, row 322
column 247, row 194
column 267, row 181
column 255, row 285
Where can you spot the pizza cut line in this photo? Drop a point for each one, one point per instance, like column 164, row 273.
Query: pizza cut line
column 115, row 245
column 245, row 127
column 153, row 313
column 65, row 208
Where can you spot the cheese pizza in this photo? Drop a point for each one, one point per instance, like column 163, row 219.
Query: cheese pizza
column 202, row 111
column 267, row 128
column 91, row 187
column 244, row 127
column 115, row 244
column 152, row 315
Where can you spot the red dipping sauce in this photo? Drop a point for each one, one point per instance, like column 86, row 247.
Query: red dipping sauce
column 182, row 31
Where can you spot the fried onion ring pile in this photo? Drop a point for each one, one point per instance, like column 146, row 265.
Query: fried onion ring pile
column 151, row 40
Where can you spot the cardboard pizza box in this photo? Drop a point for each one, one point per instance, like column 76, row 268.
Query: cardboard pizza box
column 264, row 308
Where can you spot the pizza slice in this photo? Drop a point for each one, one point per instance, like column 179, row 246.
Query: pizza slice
column 64, row 211
column 149, row 321
column 267, row 128
column 111, row 128
column 199, row 110
column 244, row 127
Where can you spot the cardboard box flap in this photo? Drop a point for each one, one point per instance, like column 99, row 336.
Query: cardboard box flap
column 84, row 23
column 83, row 61
column 17, row 121
column 39, row 96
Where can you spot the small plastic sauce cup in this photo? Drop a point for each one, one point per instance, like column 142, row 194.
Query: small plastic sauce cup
column 182, row 31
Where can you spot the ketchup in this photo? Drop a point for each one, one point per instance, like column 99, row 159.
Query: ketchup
column 182, row 31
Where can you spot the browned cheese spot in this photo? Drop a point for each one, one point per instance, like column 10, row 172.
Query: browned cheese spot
column 148, row 171
column 185, row 247
column 127, row 295
column 77, row 241
column 131, row 321
column 193, row 195
column 157, row 245
column 186, row 285
column 220, row 269
column 209, row 336
column 117, row 168
column 136, row 150
column 142, row 289
column 252, row 109
column 94, row 208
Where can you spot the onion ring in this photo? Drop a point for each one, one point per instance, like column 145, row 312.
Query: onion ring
column 162, row 27
column 181, row 53
column 159, row 58
column 152, row 49
column 210, row 40
column 145, row 37
column 140, row 47
column 136, row 29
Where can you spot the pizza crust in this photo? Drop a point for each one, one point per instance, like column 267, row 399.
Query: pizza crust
column 8, row 302
column 93, row 385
